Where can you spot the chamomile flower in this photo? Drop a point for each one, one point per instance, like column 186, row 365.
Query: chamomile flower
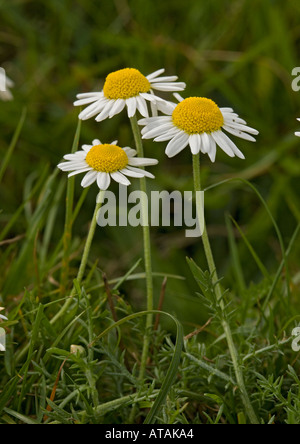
column 103, row 162
column 297, row 134
column 129, row 88
column 199, row 123
column 8, row 83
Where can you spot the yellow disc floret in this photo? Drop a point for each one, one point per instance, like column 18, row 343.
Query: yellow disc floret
column 125, row 83
column 198, row 115
column 107, row 158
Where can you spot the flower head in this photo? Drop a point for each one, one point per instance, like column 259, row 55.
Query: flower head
column 198, row 122
column 129, row 88
column 297, row 134
column 103, row 162
column 4, row 80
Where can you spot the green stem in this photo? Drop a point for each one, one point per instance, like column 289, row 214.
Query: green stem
column 226, row 327
column 147, row 255
column 84, row 259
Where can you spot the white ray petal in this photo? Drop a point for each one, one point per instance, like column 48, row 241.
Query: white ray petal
column 195, row 143
column 117, row 107
column 155, row 74
column 89, row 178
column 177, row 144
column 83, row 170
column 103, row 180
column 239, row 134
column 131, row 106
column 222, row 142
column 142, row 161
column 144, row 172
column 120, row 178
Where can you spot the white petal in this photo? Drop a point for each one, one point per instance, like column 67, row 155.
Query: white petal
column 212, row 149
column 231, row 118
column 195, row 143
column 168, row 135
column 178, row 97
column 89, row 178
column 178, row 86
column 238, row 133
column 142, row 106
column 142, row 161
column 155, row 74
column 226, row 110
column 120, row 178
column 103, row 180
column 233, row 146
column 83, row 170
column 132, row 173
column 79, row 155
column 96, row 95
column 149, row 120
column 130, row 151
column 117, row 107
column 177, row 144
column 91, row 110
column 165, row 79
column 105, row 112
column 158, row 130
column 222, row 142
column 96, row 142
column 297, row 134
column 70, row 166
column 86, row 101
column 243, row 128
column 131, row 106
column 206, row 140
column 139, row 171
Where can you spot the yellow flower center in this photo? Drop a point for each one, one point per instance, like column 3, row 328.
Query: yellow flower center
column 197, row 115
column 125, row 83
column 107, row 158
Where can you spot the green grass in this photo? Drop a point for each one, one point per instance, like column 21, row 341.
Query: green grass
column 241, row 54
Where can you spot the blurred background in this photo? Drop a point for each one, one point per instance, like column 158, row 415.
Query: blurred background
column 239, row 53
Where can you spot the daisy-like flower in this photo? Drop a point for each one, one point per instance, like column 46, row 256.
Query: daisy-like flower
column 297, row 134
column 198, row 122
column 5, row 95
column 103, row 162
column 129, row 88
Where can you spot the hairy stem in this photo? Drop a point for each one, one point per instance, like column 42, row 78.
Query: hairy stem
column 147, row 256
column 226, row 327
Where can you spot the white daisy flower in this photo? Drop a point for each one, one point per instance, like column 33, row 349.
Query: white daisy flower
column 103, row 162
column 297, row 134
column 4, row 80
column 198, row 122
column 129, row 88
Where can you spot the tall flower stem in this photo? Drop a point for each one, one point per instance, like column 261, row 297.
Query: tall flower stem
column 226, row 327
column 84, row 258
column 147, row 249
